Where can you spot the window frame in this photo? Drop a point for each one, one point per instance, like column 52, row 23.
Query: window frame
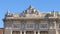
column 43, row 24
column 17, row 25
column 59, row 25
column 33, row 24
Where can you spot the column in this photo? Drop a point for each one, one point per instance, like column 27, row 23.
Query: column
column 57, row 32
column 55, row 24
column 20, row 32
column 11, row 31
column 56, row 27
column 54, row 14
column 38, row 32
column 24, row 32
column 34, row 32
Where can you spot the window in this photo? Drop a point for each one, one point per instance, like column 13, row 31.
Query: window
column 43, row 25
column 30, row 26
column 59, row 25
column 16, row 25
column 29, row 32
column 59, row 31
column 16, row 32
column 44, row 32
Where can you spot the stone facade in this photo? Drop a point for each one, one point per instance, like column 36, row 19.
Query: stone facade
column 32, row 21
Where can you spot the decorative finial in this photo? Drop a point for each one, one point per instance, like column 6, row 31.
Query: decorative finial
column 53, row 11
column 30, row 7
column 8, row 13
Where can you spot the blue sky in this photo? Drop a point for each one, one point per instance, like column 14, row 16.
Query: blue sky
column 20, row 5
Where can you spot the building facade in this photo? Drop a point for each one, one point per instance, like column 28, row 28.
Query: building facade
column 32, row 21
column 1, row 30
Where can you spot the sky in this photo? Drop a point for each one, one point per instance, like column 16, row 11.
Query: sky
column 21, row 5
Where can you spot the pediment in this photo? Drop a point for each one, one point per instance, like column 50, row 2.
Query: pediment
column 31, row 10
